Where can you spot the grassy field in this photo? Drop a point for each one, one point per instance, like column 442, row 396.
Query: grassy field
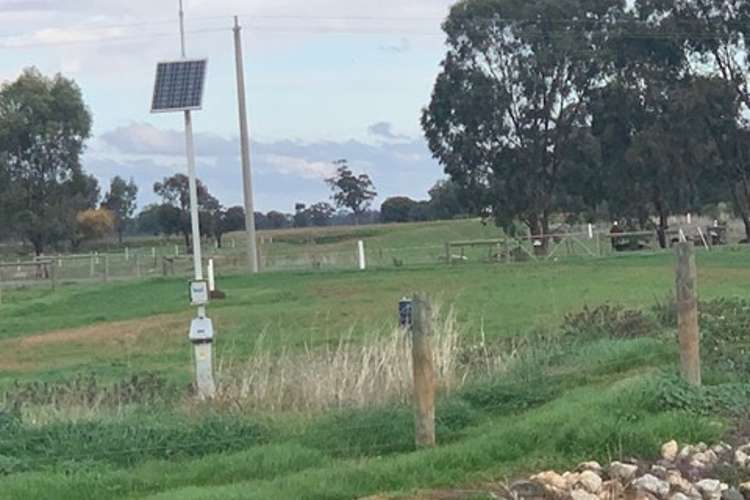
column 568, row 390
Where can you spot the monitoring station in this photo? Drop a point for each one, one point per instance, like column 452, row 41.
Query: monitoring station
column 179, row 87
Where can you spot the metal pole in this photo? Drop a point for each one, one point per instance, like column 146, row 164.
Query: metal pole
column 182, row 30
column 194, row 220
column 202, row 350
column 247, row 177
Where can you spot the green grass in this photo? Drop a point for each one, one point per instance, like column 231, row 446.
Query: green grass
column 565, row 402
column 310, row 308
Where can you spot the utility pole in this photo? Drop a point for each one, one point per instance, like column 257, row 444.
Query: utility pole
column 247, row 177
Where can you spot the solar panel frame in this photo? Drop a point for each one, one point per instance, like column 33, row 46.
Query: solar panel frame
column 179, row 85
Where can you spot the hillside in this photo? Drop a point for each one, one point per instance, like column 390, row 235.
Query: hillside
column 543, row 365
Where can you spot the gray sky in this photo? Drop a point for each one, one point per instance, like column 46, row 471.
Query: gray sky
column 327, row 79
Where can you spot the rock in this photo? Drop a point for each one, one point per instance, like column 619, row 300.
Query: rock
column 745, row 490
column 731, row 494
column 571, row 479
column 721, row 448
column 652, row 484
column 527, row 489
column 592, row 466
column 679, row 496
column 681, row 485
column 741, row 458
column 686, row 452
column 611, row 489
column 582, row 495
column 659, row 471
column 710, row 488
column 590, row 481
column 622, row 472
column 701, row 447
column 551, row 479
column 670, row 450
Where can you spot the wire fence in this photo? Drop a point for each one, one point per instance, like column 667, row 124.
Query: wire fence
column 323, row 252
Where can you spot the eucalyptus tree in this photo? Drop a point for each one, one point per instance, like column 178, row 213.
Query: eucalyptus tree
column 513, row 96
column 44, row 125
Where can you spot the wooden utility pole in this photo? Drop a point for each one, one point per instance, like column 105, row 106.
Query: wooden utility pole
column 424, row 372
column 687, row 313
column 247, row 177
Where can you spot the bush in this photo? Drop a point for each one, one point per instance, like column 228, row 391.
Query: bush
column 675, row 394
column 607, row 321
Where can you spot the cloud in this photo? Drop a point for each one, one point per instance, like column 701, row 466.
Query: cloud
column 145, row 139
column 289, row 165
column 285, row 172
column 384, row 130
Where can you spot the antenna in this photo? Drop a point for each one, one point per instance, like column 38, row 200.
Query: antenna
column 182, row 30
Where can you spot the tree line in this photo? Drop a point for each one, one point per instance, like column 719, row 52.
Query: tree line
column 48, row 200
column 633, row 111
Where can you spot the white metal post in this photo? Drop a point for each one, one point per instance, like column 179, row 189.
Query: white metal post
column 591, row 231
column 361, row 251
column 247, row 176
column 204, row 375
column 194, row 220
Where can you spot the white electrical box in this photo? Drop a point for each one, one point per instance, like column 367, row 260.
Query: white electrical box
column 199, row 293
column 201, row 330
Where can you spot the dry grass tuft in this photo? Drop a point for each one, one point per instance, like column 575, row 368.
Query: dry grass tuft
column 370, row 371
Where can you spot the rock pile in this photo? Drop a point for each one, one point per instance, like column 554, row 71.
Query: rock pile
column 682, row 473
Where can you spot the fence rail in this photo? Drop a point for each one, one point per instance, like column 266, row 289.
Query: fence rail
column 173, row 260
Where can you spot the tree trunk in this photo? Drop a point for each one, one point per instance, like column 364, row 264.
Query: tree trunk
column 188, row 246
column 663, row 226
column 740, row 204
column 219, row 238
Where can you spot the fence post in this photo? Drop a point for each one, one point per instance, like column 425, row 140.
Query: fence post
column 448, row 257
column 424, row 372
column 53, row 275
column 153, row 256
column 361, row 255
column 106, row 268
column 137, row 265
column 92, row 267
column 687, row 313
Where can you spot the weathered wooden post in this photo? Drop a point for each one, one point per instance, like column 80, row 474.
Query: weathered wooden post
column 137, row 265
column 687, row 313
column 448, row 257
column 424, row 371
column 53, row 275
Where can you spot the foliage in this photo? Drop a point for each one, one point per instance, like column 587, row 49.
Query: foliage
column 397, row 209
column 675, row 394
column 608, row 321
column 227, row 221
column 175, row 194
column 93, row 224
column 121, row 201
column 44, row 125
column 351, row 191
column 510, row 102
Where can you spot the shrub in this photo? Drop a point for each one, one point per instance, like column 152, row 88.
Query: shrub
column 608, row 321
column 675, row 394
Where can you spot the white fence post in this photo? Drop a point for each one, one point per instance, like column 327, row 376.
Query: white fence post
column 211, row 276
column 591, row 231
column 362, row 261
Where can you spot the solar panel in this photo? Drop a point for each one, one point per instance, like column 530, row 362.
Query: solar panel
column 179, row 85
